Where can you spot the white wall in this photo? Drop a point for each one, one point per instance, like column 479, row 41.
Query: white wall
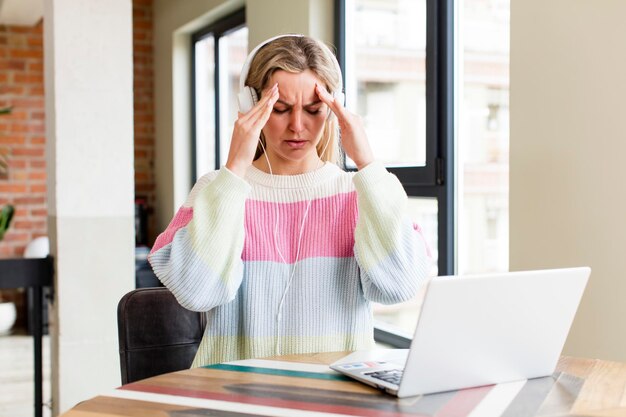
column 174, row 21
column 269, row 18
column 89, row 146
column 567, row 156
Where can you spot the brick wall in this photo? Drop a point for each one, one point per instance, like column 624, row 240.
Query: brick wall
column 144, row 113
column 22, row 135
column 22, row 145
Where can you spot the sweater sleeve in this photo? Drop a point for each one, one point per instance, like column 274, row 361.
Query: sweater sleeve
column 198, row 256
column 391, row 252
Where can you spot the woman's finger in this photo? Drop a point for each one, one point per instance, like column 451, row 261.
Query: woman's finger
column 264, row 116
column 330, row 101
column 259, row 106
column 261, row 116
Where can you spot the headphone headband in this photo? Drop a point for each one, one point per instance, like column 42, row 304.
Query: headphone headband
column 247, row 95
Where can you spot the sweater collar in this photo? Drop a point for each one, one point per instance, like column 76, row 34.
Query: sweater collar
column 322, row 174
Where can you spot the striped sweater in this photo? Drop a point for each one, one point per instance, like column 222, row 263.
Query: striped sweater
column 232, row 247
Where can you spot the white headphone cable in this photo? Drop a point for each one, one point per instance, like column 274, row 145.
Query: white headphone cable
column 299, row 245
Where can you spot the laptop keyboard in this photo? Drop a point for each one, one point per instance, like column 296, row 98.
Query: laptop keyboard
column 392, row 376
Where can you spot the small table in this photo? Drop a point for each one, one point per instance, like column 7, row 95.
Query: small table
column 34, row 274
column 303, row 385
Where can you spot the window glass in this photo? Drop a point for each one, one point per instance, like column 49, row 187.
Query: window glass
column 483, row 138
column 205, row 105
column 386, row 78
column 233, row 51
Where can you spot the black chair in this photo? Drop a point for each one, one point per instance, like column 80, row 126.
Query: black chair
column 156, row 334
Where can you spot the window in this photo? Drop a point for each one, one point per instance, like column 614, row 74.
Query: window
column 405, row 100
column 397, row 61
column 386, row 72
column 219, row 51
column 402, row 78
column 483, row 136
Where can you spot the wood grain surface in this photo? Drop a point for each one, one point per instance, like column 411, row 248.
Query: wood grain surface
column 302, row 385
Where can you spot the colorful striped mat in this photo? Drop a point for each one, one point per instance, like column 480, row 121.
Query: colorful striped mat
column 271, row 388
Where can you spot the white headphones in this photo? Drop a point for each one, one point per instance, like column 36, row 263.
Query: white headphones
column 247, row 95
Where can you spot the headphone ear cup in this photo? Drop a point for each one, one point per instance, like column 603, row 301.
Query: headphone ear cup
column 247, row 99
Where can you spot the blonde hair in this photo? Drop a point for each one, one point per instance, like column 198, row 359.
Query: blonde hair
column 296, row 54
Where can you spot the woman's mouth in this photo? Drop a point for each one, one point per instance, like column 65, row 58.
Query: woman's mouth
column 296, row 143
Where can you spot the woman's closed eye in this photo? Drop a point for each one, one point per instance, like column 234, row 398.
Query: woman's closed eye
column 314, row 110
column 310, row 110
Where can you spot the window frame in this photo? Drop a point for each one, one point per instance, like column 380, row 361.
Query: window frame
column 218, row 29
column 435, row 179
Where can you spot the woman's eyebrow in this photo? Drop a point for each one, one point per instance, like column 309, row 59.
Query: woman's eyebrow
column 284, row 103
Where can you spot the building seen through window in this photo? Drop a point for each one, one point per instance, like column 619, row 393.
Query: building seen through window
column 483, row 137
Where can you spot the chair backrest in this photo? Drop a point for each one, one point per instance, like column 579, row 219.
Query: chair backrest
column 156, row 334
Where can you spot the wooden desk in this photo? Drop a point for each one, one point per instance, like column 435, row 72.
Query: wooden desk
column 302, row 385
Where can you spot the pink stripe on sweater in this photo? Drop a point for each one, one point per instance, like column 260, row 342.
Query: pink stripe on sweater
column 328, row 229
column 180, row 220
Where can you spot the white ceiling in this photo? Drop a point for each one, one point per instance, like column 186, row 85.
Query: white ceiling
column 20, row 12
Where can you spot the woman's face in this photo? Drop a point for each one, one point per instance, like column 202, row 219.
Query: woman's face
column 296, row 123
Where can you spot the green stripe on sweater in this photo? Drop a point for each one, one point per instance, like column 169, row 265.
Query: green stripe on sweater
column 279, row 372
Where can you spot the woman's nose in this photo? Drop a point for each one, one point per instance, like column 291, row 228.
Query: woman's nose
column 295, row 121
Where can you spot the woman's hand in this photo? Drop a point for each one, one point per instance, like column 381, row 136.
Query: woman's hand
column 247, row 130
column 353, row 137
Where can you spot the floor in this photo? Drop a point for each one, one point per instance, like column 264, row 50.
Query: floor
column 17, row 376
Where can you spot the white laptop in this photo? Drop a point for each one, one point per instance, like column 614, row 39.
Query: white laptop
column 478, row 330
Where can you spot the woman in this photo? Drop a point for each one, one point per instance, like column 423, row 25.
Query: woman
column 282, row 249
